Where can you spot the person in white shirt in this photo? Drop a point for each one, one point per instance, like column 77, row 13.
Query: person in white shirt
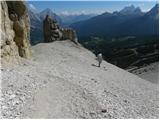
column 99, row 58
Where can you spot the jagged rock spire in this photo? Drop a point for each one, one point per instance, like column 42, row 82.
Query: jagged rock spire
column 53, row 32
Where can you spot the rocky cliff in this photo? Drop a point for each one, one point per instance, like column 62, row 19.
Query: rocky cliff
column 53, row 32
column 15, row 31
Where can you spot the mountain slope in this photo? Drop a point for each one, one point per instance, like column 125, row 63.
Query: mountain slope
column 70, row 19
column 131, row 10
column 129, row 21
column 144, row 25
column 49, row 12
column 34, row 19
column 62, row 81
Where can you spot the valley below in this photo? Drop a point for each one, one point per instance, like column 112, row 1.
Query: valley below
column 125, row 52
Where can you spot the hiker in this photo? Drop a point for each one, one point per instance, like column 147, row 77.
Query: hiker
column 99, row 58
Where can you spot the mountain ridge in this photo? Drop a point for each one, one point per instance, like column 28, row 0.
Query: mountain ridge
column 131, row 10
column 113, row 24
column 49, row 12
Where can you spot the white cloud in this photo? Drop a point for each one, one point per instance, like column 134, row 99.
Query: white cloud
column 80, row 12
column 72, row 13
column 65, row 13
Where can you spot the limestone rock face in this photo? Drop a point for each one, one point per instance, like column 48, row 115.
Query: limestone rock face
column 15, row 31
column 53, row 32
column 68, row 33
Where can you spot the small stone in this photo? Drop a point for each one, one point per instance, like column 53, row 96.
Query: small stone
column 17, row 93
column 145, row 70
column 9, row 92
column 110, row 116
column 16, row 102
column 10, row 85
column 103, row 110
column 92, row 114
column 25, row 64
column 4, row 107
column 45, row 82
column 1, row 98
column 22, row 98
column 115, row 95
column 8, row 103
column 126, row 101
column 12, row 96
column 28, row 97
column 4, row 114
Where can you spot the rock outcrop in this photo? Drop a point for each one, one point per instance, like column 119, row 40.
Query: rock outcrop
column 53, row 32
column 68, row 33
column 15, row 31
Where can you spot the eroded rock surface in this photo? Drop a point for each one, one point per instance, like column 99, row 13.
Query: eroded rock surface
column 68, row 33
column 15, row 31
column 53, row 32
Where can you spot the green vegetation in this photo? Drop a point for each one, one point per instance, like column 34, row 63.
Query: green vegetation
column 125, row 51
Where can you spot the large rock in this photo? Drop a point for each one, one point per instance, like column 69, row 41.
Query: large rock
column 53, row 32
column 69, row 34
column 15, row 31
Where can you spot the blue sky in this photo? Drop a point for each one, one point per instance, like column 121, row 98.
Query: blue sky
column 77, row 7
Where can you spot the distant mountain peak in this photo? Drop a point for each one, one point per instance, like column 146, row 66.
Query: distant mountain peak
column 154, row 12
column 31, row 8
column 130, row 10
column 49, row 12
column 46, row 11
column 155, row 8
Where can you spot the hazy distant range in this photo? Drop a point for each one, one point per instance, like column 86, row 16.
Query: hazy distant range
column 128, row 21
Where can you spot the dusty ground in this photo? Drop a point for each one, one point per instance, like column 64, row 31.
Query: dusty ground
column 148, row 72
column 63, row 81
